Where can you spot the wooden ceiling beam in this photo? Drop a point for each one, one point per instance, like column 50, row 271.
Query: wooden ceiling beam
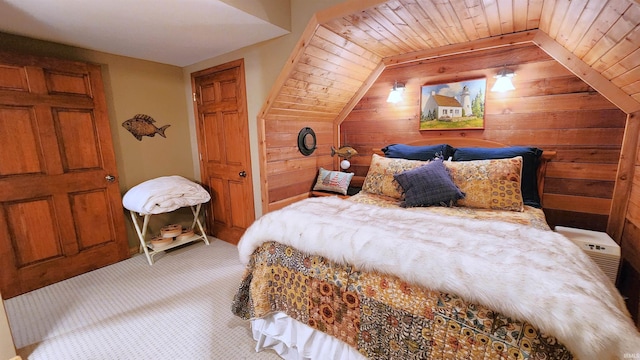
column 586, row 73
column 359, row 94
column 624, row 177
column 462, row 48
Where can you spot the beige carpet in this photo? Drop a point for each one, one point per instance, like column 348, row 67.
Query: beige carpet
column 179, row 308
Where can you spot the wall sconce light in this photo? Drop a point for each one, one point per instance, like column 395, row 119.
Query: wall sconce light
column 395, row 96
column 503, row 82
column 345, row 152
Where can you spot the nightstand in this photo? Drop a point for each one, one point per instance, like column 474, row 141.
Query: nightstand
column 318, row 193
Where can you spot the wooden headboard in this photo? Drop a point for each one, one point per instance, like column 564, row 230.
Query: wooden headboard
column 460, row 142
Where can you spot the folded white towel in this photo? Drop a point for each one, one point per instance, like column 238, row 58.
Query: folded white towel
column 164, row 194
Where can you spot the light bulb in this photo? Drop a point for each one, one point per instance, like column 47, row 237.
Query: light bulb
column 503, row 84
column 395, row 96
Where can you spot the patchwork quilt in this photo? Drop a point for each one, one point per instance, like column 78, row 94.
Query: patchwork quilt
column 382, row 316
column 395, row 283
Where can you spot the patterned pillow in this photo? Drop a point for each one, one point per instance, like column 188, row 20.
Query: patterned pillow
column 428, row 185
column 489, row 184
column 334, row 181
column 379, row 179
column 530, row 162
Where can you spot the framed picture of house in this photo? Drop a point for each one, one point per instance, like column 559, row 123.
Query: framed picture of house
column 453, row 106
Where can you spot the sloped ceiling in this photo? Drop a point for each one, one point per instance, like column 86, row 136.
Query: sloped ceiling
column 344, row 48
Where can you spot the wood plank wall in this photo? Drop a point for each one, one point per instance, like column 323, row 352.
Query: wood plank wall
column 551, row 109
column 316, row 85
column 629, row 279
column 290, row 173
column 631, row 233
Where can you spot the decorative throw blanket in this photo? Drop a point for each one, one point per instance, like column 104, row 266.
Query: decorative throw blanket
column 164, row 194
column 535, row 275
column 377, row 315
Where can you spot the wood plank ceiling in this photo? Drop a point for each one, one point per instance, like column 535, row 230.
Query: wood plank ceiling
column 345, row 47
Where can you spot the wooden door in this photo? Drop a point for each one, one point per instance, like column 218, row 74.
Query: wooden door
column 60, row 206
column 223, row 143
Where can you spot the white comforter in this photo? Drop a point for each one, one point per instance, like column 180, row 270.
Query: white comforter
column 533, row 275
column 164, row 194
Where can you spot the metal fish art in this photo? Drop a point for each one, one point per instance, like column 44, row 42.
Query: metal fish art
column 142, row 125
column 344, row 152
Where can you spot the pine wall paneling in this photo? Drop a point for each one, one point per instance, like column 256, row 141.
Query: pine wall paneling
column 289, row 171
column 629, row 281
column 551, row 108
column 315, row 87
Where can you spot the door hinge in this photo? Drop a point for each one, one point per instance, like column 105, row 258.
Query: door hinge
column 194, row 97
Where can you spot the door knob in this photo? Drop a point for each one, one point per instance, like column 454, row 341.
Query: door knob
column 110, row 178
column 242, row 173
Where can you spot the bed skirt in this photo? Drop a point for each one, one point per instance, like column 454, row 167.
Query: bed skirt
column 293, row 340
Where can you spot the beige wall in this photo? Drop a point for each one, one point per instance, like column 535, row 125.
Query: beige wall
column 263, row 63
column 133, row 86
column 164, row 92
column 7, row 350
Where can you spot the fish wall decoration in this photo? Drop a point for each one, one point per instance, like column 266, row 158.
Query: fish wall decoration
column 344, row 152
column 142, row 125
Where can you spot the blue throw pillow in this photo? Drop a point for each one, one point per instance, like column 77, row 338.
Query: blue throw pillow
column 428, row 185
column 410, row 152
column 530, row 162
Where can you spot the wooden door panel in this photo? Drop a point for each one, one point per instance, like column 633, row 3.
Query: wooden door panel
column 77, row 136
column 31, row 228
column 61, row 217
column 21, row 154
column 228, row 89
column 235, row 153
column 207, row 92
column 89, row 210
column 13, row 78
column 241, row 219
column 65, row 83
column 223, row 142
column 212, row 147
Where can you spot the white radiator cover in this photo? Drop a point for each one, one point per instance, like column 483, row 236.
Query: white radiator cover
column 598, row 245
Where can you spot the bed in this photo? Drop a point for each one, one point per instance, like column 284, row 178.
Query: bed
column 402, row 271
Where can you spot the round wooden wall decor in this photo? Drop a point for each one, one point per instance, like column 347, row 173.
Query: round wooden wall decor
column 306, row 141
